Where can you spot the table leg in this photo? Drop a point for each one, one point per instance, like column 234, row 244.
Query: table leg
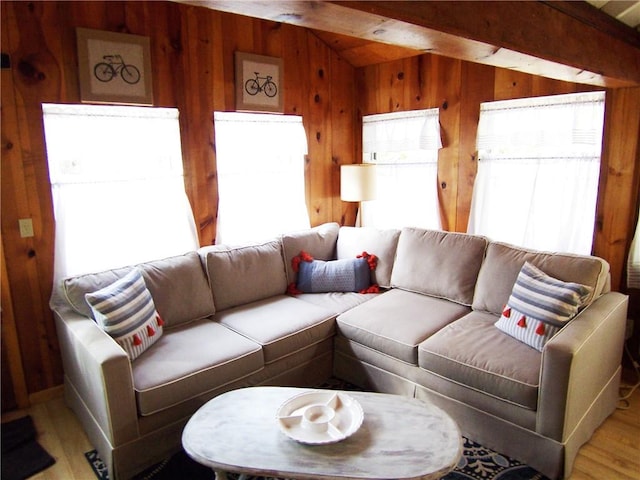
column 222, row 475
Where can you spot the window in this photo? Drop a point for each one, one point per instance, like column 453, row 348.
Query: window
column 261, row 185
column 633, row 260
column 538, row 171
column 117, row 184
column 404, row 146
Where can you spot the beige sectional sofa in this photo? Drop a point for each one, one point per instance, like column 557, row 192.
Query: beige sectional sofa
column 429, row 333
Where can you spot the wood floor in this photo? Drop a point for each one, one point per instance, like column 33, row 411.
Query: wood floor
column 613, row 453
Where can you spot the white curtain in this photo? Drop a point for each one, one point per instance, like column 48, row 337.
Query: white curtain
column 261, row 184
column 401, row 131
column 633, row 262
column 404, row 146
column 538, row 171
column 117, row 184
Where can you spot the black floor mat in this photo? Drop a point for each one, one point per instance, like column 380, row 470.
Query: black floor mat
column 22, row 455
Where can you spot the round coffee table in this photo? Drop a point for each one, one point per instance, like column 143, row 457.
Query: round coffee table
column 400, row 437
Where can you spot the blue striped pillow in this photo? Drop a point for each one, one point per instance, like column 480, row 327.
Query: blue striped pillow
column 125, row 310
column 539, row 306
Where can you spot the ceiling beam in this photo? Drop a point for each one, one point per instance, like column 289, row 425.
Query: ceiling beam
column 528, row 36
column 600, row 18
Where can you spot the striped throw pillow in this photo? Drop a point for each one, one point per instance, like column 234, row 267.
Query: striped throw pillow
column 539, row 306
column 125, row 310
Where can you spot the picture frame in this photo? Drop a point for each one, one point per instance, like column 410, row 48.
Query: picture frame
column 258, row 83
column 114, row 67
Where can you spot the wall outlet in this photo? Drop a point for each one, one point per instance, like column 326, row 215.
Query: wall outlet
column 26, row 227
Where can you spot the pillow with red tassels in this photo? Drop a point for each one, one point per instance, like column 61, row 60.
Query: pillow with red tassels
column 125, row 310
column 539, row 306
column 345, row 275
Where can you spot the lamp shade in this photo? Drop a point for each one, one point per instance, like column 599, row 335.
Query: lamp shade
column 358, row 182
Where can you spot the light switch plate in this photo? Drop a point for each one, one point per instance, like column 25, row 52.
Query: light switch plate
column 26, row 227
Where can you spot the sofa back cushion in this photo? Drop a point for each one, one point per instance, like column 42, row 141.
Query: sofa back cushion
column 503, row 263
column 240, row 275
column 319, row 242
column 440, row 264
column 178, row 286
column 352, row 241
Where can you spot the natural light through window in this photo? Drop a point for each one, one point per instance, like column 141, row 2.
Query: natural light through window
column 404, row 147
column 117, row 185
column 261, row 186
column 538, row 171
column 633, row 261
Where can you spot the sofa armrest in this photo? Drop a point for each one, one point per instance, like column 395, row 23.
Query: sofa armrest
column 99, row 371
column 579, row 363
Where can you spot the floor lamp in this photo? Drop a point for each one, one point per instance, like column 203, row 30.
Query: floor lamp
column 358, row 184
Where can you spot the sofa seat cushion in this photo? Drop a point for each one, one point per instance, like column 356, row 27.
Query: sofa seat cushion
column 472, row 352
column 282, row 325
column 337, row 302
column 190, row 360
column 396, row 322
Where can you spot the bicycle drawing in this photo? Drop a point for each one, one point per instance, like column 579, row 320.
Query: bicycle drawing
column 253, row 86
column 114, row 65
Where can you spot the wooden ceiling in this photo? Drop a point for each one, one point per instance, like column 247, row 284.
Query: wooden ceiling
column 625, row 11
column 528, row 36
column 360, row 52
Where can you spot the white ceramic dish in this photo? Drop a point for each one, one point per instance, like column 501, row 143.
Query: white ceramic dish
column 319, row 417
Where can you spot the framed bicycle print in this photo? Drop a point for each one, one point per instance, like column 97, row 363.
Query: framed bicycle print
column 114, row 67
column 258, row 83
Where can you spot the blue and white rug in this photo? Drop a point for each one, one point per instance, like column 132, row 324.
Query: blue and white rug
column 477, row 463
column 481, row 463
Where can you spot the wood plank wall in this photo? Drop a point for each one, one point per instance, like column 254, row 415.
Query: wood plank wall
column 457, row 88
column 192, row 51
column 192, row 54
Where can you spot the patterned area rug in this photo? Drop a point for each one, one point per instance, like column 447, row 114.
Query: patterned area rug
column 477, row 463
